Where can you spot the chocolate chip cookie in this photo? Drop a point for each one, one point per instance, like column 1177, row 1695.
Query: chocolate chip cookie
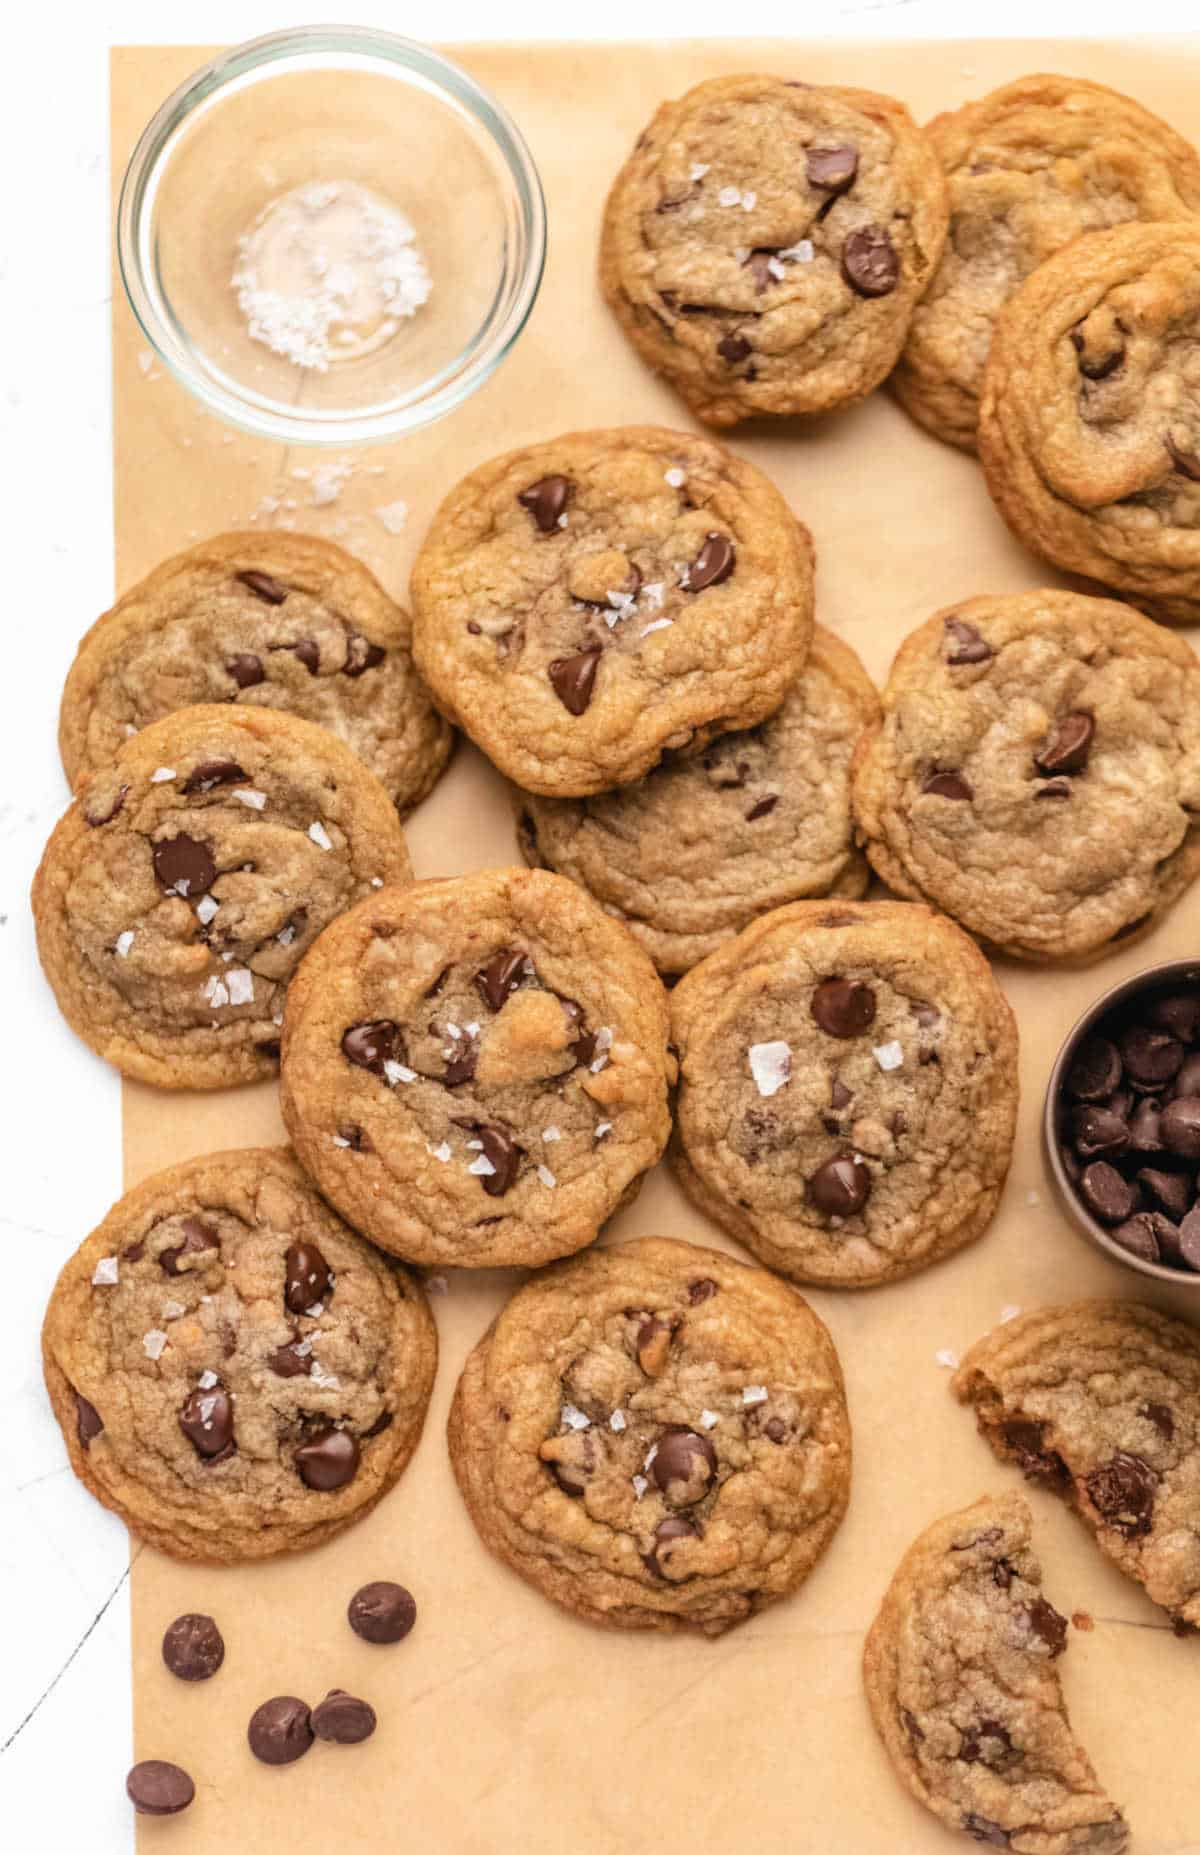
column 1089, row 427
column 1100, row 1402
column 278, row 621
column 1037, row 773
column 583, row 606
column 690, row 854
column 655, row 1437
column 847, row 1090
column 177, row 895
column 766, row 242
column 960, row 1677
column 475, row 1071
column 1030, row 168
column 235, row 1373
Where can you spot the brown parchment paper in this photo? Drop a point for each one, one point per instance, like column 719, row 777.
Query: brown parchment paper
column 502, row 1723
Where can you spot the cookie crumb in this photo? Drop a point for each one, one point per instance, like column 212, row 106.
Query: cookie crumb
column 1083, row 1620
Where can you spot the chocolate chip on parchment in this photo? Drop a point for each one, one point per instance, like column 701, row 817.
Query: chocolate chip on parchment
column 1122, row 1491
column 371, row 1045
column 1095, row 1071
column 328, row 1460
column 264, row 587
column 183, row 866
column 500, row 976
column 546, row 500
column 280, row 1731
column 193, row 1647
column 1068, row 744
column 843, row 1007
column 573, row 678
column 246, row 669
column 841, row 1186
column 1105, row 1193
column 206, row 1419
column 948, row 786
column 307, row 1278
column 88, row 1421
column 713, row 564
column 342, row 1719
column 156, row 1788
column 197, row 1237
column 870, row 263
column 964, row 644
column 382, row 1612
column 667, row 1535
column 832, row 170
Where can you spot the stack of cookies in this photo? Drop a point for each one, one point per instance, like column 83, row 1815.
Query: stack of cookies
column 480, row 1072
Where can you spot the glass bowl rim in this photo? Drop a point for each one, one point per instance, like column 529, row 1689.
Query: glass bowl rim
column 440, row 76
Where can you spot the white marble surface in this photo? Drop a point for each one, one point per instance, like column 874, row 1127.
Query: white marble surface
column 64, row 1676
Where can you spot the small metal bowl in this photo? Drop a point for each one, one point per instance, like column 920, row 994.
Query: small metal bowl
column 1152, row 979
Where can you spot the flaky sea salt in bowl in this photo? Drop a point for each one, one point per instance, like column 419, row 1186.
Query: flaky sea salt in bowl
column 331, row 234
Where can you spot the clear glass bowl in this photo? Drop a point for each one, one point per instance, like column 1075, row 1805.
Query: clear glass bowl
column 330, row 103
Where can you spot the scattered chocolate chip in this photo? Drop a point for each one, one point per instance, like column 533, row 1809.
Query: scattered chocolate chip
column 206, row 1419
column 382, row 1612
column 197, row 1237
column 948, row 786
column 1098, row 1133
column 870, row 264
column 546, row 500
column 370, row 1046
column 713, row 564
column 502, row 1151
column 96, row 819
column 733, row 348
column 573, row 678
column 841, row 1186
column 1122, row 1491
column 667, row 1535
column 1067, row 746
column 286, row 1362
column 361, row 655
column 307, row 1278
column 1151, row 1058
column 246, row 669
column 1186, row 462
column 88, row 1422
column 1106, row 1194
column 211, row 773
column 701, row 1290
column 1171, row 1191
column 761, row 807
column 1162, row 1417
column 843, row 1007
column 342, row 1720
column 1179, row 1126
column 328, row 1460
column 183, row 866
column 964, row 644
column 832, row 170
column 264, row 586
column 156, row 1788
column 193, row 1647
column 280, row 1731
column 684, row 1465
column 1095, row 1071
column 500, row 976
column 1047, row 1623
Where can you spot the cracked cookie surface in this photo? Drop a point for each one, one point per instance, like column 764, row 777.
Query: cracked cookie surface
column 276, row 621
column 766, row 242
column 235, row 1373
column 847, row 1090
column 1030, row 168
column 475, row 1071
column 1100, row 1401
column 176, row 896
column 960, row 1677
column 655, row 1436
column 1089, row 429
column 690, row 854
column 585, row 605
column 1037, row 772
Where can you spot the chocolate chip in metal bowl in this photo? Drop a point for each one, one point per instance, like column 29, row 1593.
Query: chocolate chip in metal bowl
column 1122, row 1122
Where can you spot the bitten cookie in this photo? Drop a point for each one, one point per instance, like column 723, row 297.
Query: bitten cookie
column 1029, row 167
column 1089, row 427
column 655, row 1437
column 766, row 242
column 1037, row 772
column 960, row 1677
column 585, row 605
column 279, row 621
column 689, row 855
column 847, row 1090
column 475, row 1071
column 1100, row 1401
column 235, row 1373
column 176, row 896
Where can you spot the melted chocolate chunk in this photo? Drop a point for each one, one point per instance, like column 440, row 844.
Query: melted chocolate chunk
column 502, row 1151
column 264, row 586
column 212, row 773
column 573, row 678
column 307, row 1278
column 733, row 348
column 501, row 976
column 183, row 866
column 546, row 500
column 948, row 786
column 206, row 1419
column 832, row 170
column 712, row 565
column 842, row 1186
column 843, row 1007
column 371, row 1045
column 1122, row 1491
column 1068, row 744
column 667, row 1535
column 246, row 669
column 88, row 1421
column 1047, row 1623
column 870, row 263
column 964, row 644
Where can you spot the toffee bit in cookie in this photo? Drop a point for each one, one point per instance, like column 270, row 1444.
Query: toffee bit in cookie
column 770, row 1066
